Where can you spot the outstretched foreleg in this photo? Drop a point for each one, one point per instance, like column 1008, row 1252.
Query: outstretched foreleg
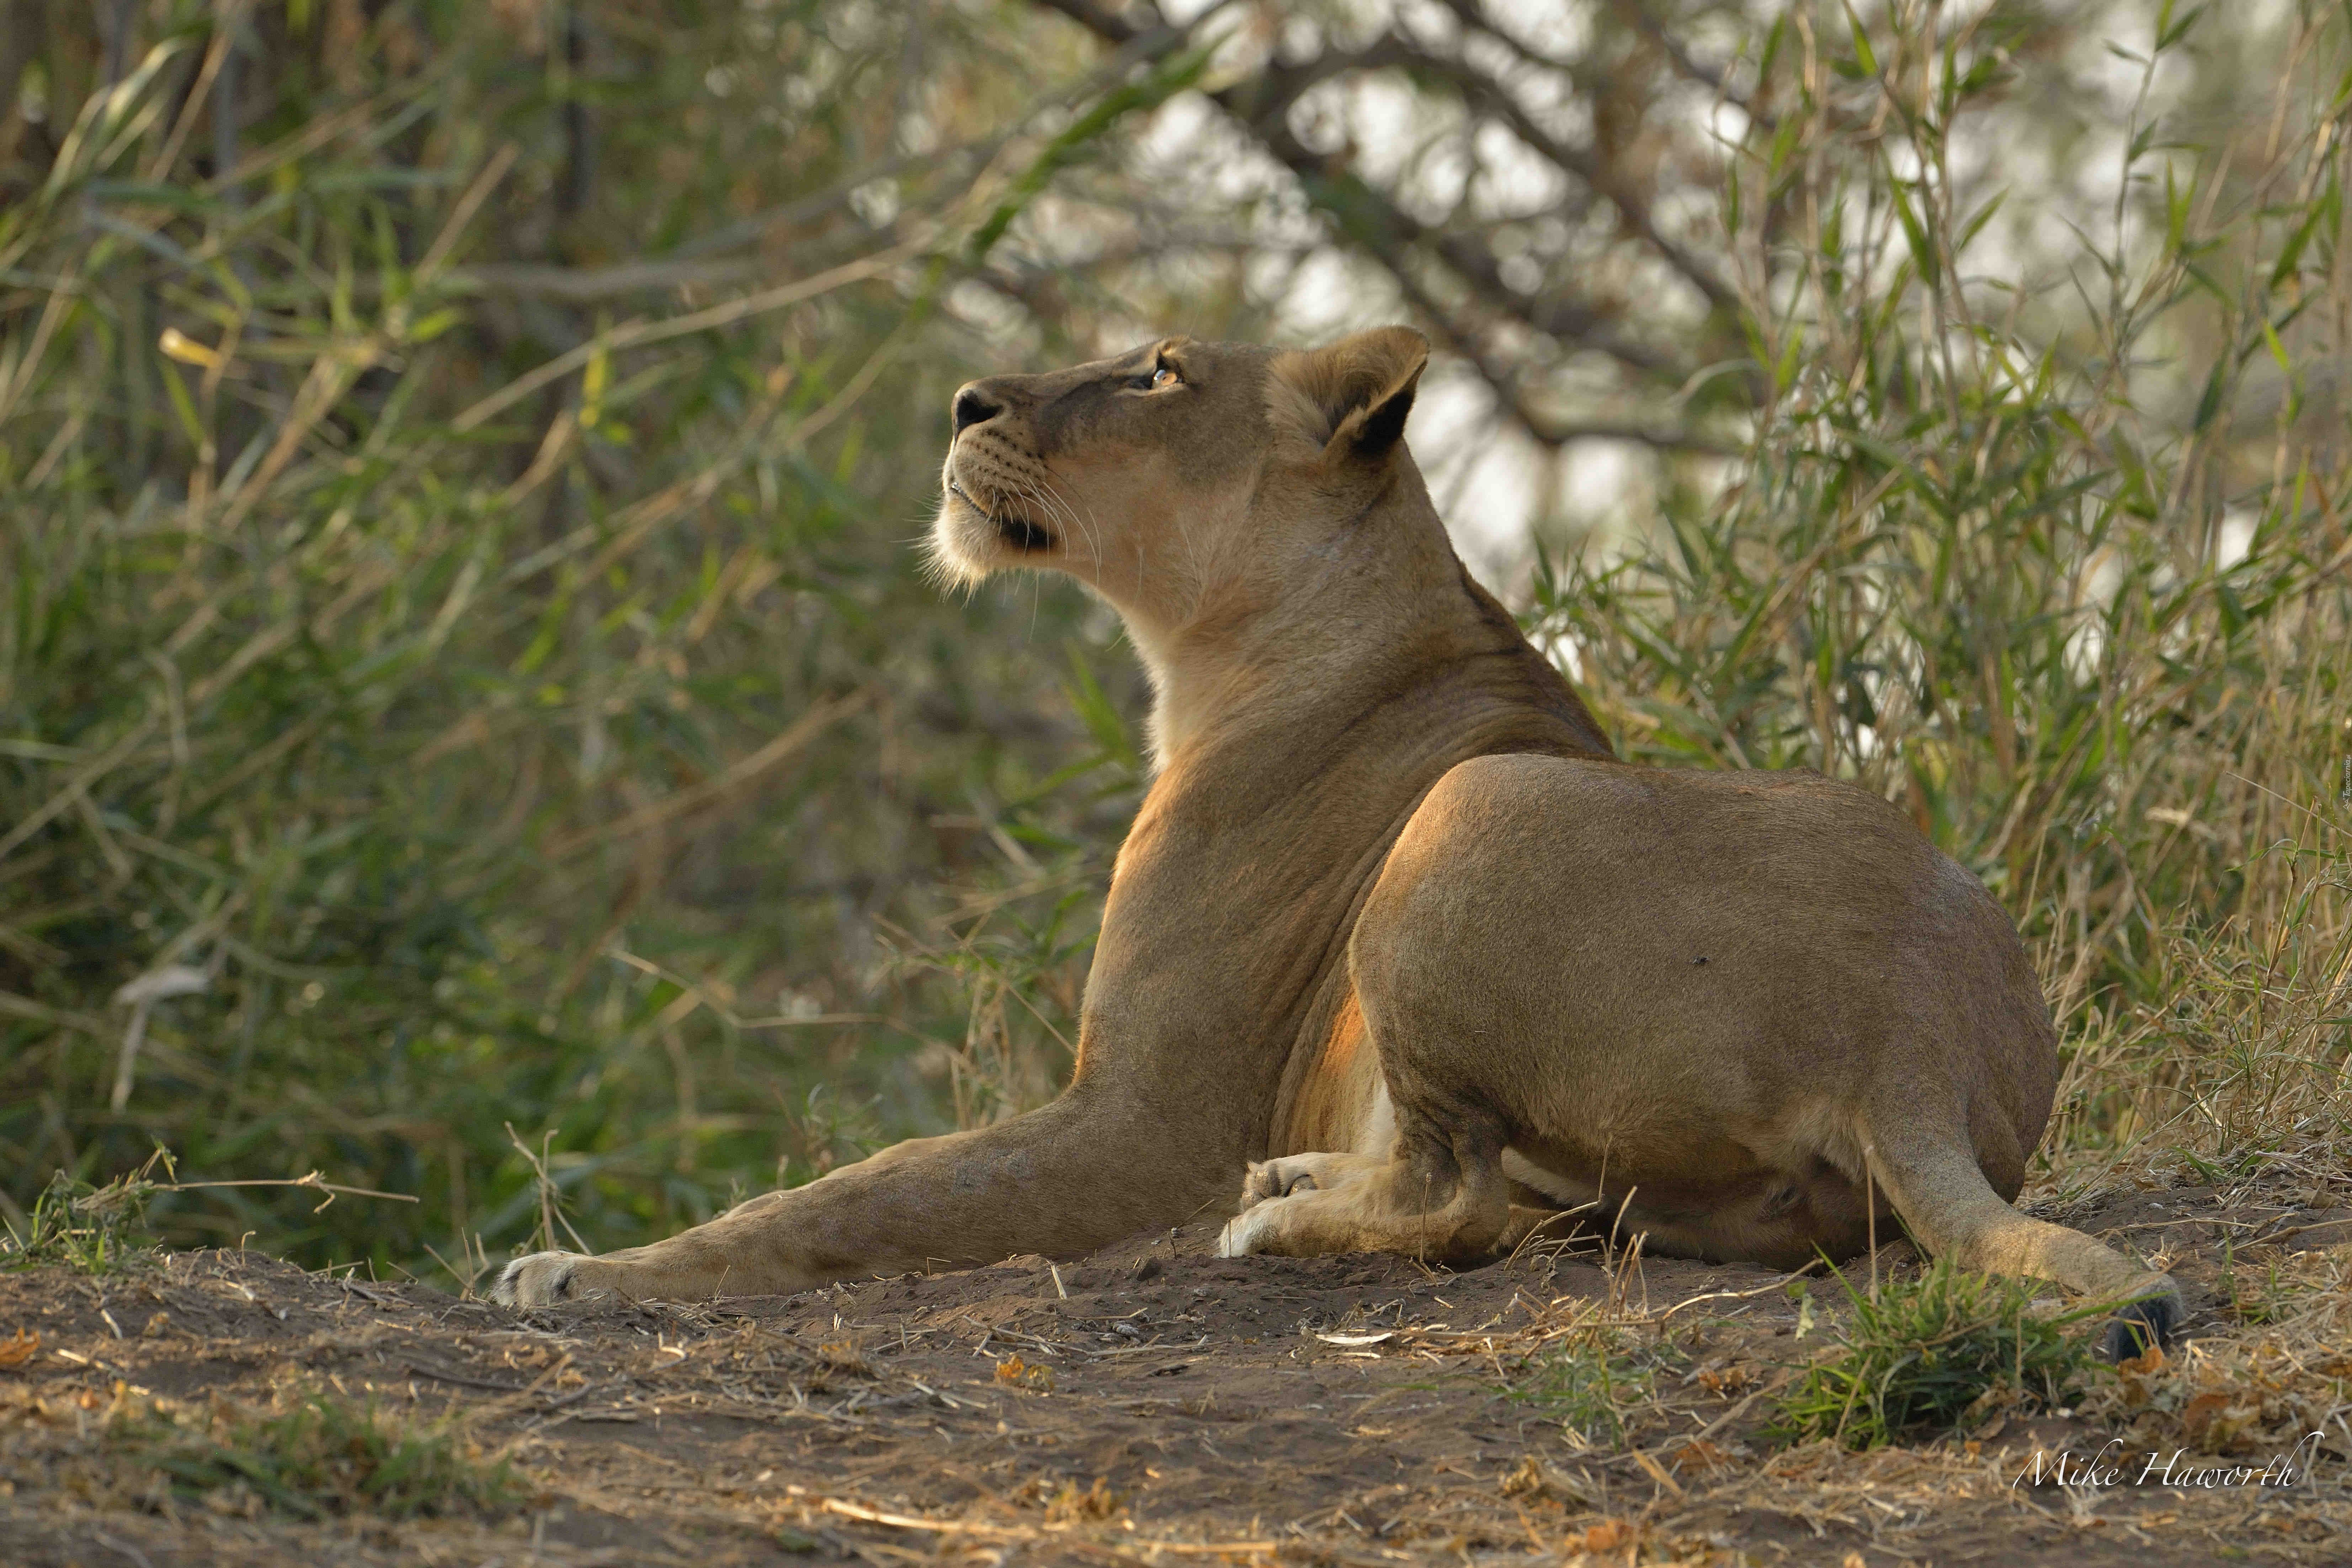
column 1062, row 1180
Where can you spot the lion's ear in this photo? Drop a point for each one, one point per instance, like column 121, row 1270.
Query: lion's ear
column 1352, row 397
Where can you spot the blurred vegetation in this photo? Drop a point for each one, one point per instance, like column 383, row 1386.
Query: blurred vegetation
column 2061, row 570
column 464, row 687
column 316, row 1456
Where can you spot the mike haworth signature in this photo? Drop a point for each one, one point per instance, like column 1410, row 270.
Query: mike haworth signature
column 2112, row 1467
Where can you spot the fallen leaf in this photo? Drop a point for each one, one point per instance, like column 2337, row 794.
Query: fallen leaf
column 2210, row 1420
column 1526, row 1481
column 1608, row 1536
column 1727, row 1381
column 1014, row 1373
column 1700, row 1455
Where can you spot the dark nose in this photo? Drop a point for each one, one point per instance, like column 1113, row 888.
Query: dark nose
column 974, row 405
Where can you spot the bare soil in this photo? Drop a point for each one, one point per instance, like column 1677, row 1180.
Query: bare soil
column 1153, row 1403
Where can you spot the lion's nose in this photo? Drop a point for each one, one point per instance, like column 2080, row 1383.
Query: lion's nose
column 974, row 405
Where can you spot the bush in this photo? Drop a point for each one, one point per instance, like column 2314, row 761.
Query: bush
column 446, row 681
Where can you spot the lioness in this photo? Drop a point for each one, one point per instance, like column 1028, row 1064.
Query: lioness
column 1395, row 924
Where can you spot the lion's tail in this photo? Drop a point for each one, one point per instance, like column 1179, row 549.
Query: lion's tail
column 1932, row 1177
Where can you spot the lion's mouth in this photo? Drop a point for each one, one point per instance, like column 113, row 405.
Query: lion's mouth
column 1015, row 530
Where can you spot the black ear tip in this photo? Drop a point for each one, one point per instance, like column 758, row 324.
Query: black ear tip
column 1384, row 426
column 2151, row 1323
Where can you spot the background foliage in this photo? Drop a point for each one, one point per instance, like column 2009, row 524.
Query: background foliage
column 465, row 696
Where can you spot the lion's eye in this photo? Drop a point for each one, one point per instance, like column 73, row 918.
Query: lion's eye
column 1163, row 377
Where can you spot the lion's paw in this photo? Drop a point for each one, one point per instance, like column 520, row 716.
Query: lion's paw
column 1275, row 1179
column 1247, row 1232
column 539, row 1278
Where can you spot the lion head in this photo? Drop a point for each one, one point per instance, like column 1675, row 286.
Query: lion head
column 1172, row 476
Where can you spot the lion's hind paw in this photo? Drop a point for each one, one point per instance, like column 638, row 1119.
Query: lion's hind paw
column 1275, row 1179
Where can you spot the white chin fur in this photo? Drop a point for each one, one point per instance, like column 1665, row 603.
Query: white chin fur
column 959, row 541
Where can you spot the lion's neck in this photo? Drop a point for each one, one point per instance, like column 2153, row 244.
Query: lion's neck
column 1266, row 660
column 1293, row 747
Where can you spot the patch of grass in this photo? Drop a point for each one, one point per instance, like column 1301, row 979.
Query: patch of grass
column 322, row 1456
column 1587, row 1383
column 1921, row 1354
column 91, row 1230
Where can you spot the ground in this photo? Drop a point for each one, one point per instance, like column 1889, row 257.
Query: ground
column 1155, row 1404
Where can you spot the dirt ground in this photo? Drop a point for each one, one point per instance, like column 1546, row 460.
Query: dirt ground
column 1155, row 1404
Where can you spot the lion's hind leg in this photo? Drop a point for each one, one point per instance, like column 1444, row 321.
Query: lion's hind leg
column 1279, row 1178
column 1438, row 1197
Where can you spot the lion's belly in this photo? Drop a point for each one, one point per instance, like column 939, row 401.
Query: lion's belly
column 1735, row 1211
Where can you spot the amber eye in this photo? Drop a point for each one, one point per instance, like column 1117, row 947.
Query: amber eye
column 1163, row 377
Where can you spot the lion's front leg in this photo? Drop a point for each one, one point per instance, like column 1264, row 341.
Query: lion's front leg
column 749, row 1250
column 1291, row 1174
column 1062, row 1180
column 537, row 1279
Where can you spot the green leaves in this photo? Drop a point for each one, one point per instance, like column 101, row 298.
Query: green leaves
column 1151, row 88
column 407, row 571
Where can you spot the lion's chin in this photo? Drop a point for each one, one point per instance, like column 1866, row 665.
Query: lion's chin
column 968, row 543
column 958, row 549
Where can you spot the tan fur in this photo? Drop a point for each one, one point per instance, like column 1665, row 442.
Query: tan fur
column 1393, row 914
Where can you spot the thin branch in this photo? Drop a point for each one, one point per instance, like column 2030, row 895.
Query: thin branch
column 588, row 285
column 1368, row 215
column 315, row 1182
column 1481, row 92
column 1262, row 105
column 1559, row 432
column 1638, row 16
column 1100, row 20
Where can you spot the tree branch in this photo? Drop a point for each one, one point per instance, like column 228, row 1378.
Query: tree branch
column 1100, row 20
column 1367, row 214
column 1483, row 93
